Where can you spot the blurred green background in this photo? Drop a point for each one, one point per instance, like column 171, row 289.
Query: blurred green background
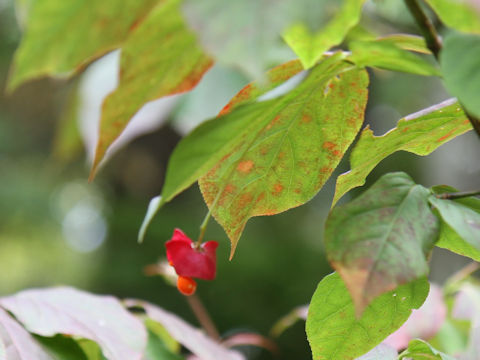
column 55, row 228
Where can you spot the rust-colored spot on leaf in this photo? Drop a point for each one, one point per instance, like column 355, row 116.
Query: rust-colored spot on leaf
column 274, row 122
column 285, row 71
column 245, row 199
column 446, row 136
column 331, row 147
column 281, row 154
column 405, row 129
column 297, row 191
column 264, row 150
column 277, row 189
column 306, row 118
column 245, row 166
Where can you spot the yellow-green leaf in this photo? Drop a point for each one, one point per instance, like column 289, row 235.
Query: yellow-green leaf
column 310, row 47
column 419, row 133
column 462, row 15
column 160, row 57
column 62, row 37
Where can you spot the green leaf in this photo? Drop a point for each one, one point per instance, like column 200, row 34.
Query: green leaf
column 421, row 350
column 381, row 239
column 189, row 161
column 463, row 220
column 406, row 42
column 387, row 55
column 160, row 57
column 460, row 63
column 62, row 347
column 335, row 333
column 462, row 15
column 310, row 47
column 419, row 133
column 156, row 349
column 62, row 37
column 277, row 154
column 449, row 239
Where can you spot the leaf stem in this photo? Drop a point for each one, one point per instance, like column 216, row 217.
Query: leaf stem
column 203, row 317
column 434, row 43
column 203, row 228
column 457, row 195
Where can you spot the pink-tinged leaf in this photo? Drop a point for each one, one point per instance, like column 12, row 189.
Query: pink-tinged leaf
column 380, row 352
column 16, row 343
column 160, row 57
column 68, row 311
column 193, row 339
column 382, row 239
column 420, row 133
column 424, row 323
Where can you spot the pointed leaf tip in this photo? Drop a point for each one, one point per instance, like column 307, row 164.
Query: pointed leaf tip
column 153, row 207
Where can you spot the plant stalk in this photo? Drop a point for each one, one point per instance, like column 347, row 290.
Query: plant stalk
column 434, row 43
column 458, row 195
column 203, row 317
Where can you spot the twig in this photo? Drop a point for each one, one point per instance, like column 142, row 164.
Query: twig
column 203, row 317
column 434, row 43
column 458, row 195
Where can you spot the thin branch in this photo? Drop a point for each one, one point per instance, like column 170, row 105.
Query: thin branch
column 203, row 317
column 458, row 195
column 434, row 43
column 433, row 40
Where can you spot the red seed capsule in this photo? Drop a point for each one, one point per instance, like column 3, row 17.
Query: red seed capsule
column 186, row 285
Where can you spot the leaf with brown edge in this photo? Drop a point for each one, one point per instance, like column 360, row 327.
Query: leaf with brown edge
column 285, row 149
column 62, row 37
column 420, row 133
column 160, row 57
column 381, row 239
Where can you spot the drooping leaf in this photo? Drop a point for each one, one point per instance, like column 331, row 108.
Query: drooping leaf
column 380, row 352
column 335, row 333
column 153, row 208
column 462, row 15
column 190, row 337
column 463, row 220
column 18, row 344
column 160, row 57
column 298, row 313
column 460, row 63
column 387, row 55
column 68, row 311
column 419, row 133
column 277, row 154
column 421, row 350
column 310, row 47
column 62, row 37
column 381, row 239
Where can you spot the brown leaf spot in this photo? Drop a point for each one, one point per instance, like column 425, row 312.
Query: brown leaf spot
column 260, row 197
column 331, row 147
column 264, row 150
column 274, row 122
column 285, row 71
column 281, row 154
column 277, row 189
column 306, row 118
column 297, row 191
column 446, row 136
column 245, row 199
column 405, row 129
column 245, row 166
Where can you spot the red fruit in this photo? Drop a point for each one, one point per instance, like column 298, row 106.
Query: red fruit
column 189, row 261
column 186, row 285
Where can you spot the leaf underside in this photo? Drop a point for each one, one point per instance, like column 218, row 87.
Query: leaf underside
column 381, row 239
